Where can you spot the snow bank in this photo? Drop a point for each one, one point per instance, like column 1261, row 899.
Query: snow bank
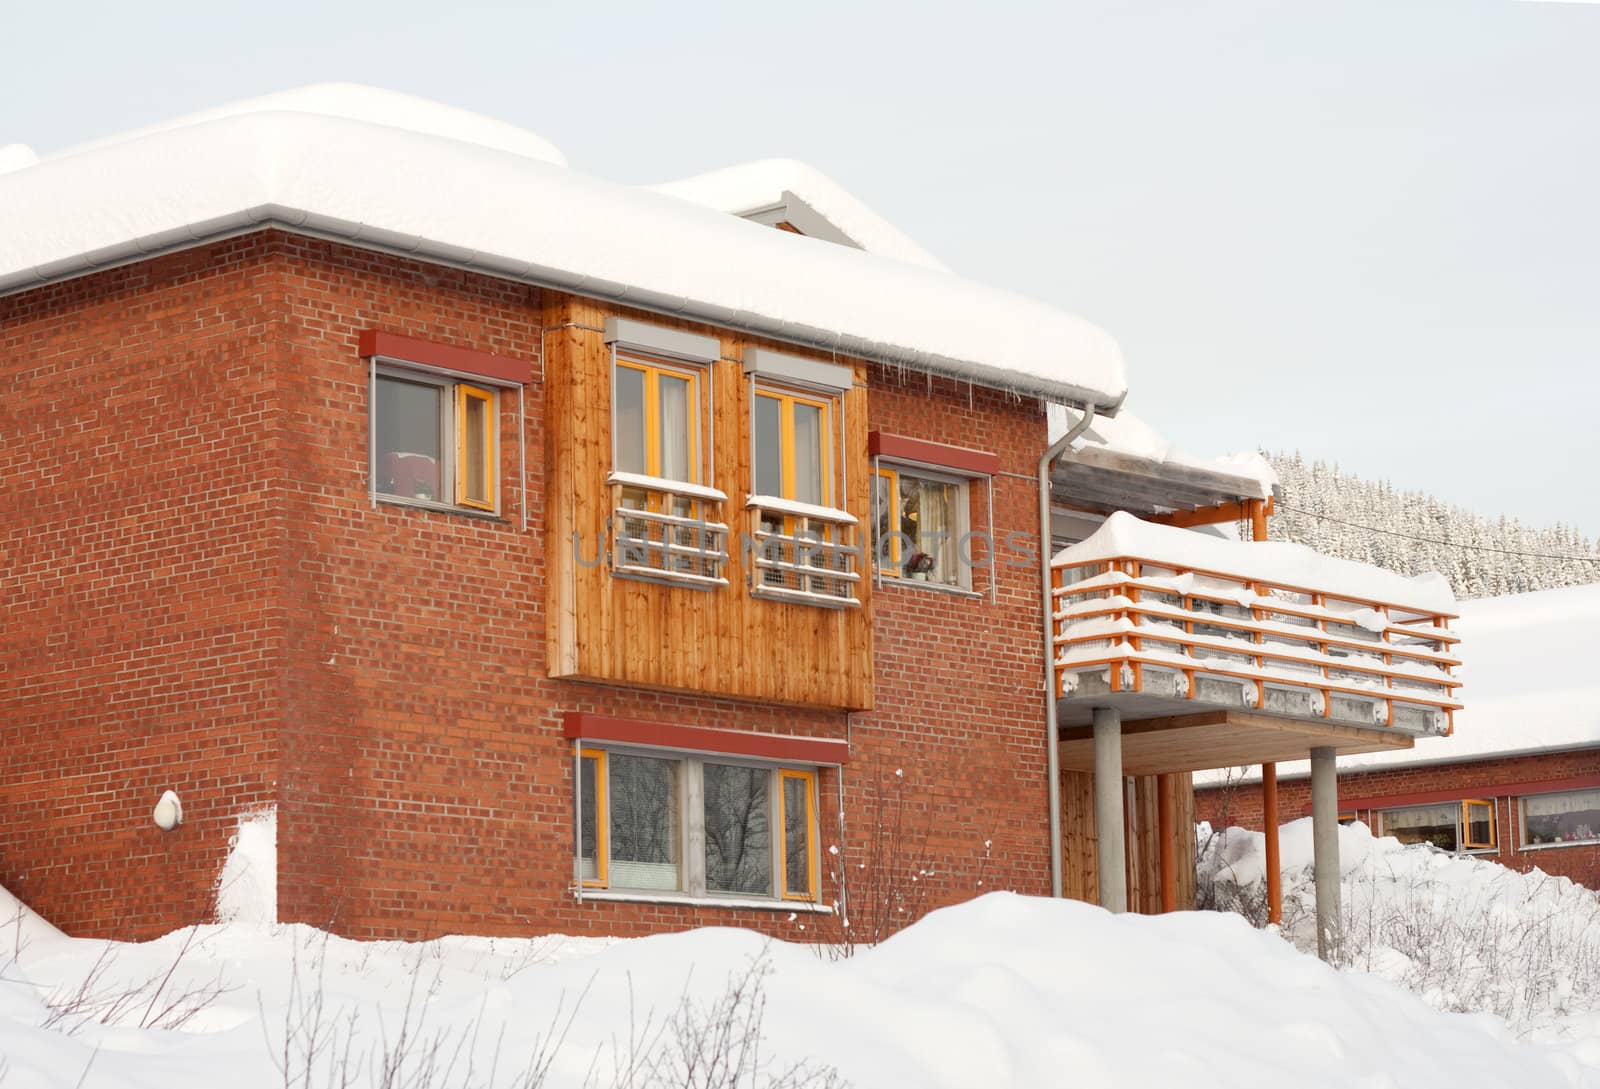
column 1284, row 564
column 1529, row 685
column 247, row 887
column 473, row 203
column 752, row 187
column 999, row 992
column 1467, row 935
column 16, row 156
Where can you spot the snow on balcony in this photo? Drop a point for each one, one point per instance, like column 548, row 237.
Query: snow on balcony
column 1158, row 621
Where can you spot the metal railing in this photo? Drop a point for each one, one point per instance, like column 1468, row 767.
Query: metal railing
column 1133, row 625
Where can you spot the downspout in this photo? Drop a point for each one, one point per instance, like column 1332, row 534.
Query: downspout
column 1052, row 742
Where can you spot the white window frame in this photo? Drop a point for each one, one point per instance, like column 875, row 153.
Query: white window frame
column 690, row 832
column 450, row 382
column 962, row 535
column 1523, row 843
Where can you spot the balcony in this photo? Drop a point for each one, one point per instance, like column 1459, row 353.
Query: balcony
column 1266, row 649
column 804, row 554
column 667, row 531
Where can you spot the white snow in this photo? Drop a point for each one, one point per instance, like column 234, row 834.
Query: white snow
column 1003, row 991
column 1530, row 685
column 247, row 887
column 1123, row 535
column 16, row 156
column 375, row 106
column 1129, row 434
column 1468, row 935
column 515, row 215
column 752, row 187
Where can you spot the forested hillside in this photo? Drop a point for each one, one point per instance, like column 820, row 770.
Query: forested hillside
column 1413, row 532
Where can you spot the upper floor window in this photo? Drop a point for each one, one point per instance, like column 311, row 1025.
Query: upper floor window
column 920, row 525
column 657, row 420
column 793, row 452
column 435, row 440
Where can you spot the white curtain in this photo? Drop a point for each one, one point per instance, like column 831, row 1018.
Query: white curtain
column 674, row 428
column 1555, row 805
column 1429, row 816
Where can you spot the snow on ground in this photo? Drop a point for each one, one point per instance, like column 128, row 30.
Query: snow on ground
column 1466, row 934
column 1528, row 685
column 1001, row 991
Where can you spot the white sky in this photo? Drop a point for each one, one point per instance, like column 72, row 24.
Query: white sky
column 1365, row 230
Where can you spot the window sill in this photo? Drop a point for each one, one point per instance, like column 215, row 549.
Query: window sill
column 1563, row 843
column 933, row 587
column 441, row 508
column 799, row 907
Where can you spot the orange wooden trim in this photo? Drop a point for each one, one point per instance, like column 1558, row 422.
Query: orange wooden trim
column 404, row 349
column 1167, row 821
column 665, row 735
column 1235, row 511
column 1269, row 824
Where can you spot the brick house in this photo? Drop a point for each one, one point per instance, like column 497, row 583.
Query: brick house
column 1521, row 782
column 551, row 554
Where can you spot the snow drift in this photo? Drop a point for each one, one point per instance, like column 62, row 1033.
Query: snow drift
column 1001, row 991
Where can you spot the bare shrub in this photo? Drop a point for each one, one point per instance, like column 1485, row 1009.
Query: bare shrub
column 152, row 1003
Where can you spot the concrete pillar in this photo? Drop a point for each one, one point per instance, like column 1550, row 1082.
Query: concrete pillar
column 1112, row 853
column 1325, row 849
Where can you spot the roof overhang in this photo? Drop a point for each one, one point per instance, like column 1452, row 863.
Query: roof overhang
column 1103, row 481
column 1215, row 739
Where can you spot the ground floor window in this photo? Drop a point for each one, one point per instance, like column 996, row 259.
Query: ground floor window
column 652, row 822
column 1467, row 825
column 1572, row 816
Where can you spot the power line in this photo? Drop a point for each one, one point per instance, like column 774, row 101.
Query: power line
column 1435, row 540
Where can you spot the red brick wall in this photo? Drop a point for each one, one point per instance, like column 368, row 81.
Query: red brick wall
column 1241, row 805
column 142, row 535
column 208, row 600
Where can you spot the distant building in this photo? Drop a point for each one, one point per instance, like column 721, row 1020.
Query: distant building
column 1519, row 782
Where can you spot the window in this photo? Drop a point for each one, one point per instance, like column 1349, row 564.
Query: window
column 652, row 823
column 1571, row 816
column 435, row 440
column 1450, row 826
column 793, row 436
column 806, row 547
column 920, row 526
column 656, row 420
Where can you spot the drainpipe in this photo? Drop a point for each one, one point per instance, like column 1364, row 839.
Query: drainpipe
column 1051, row 741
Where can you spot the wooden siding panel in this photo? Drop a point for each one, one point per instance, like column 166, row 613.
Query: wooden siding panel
column 720, row 642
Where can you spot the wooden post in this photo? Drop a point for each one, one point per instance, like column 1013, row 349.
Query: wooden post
column 1269, row 826
column 1167, row 831
column 1258, row 519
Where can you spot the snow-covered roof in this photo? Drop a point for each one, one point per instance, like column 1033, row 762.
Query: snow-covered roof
column 1276, row 562
column 751, row 188
column 1128, row 434
column 356, row 165
column 1530, row 685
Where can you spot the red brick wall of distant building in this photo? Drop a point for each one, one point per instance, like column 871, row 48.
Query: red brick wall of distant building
column 1504, row 779
column 201, row 595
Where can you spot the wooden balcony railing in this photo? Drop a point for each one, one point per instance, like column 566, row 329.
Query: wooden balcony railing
column 803, row 553
column 667, row 531
column 1129, row 625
